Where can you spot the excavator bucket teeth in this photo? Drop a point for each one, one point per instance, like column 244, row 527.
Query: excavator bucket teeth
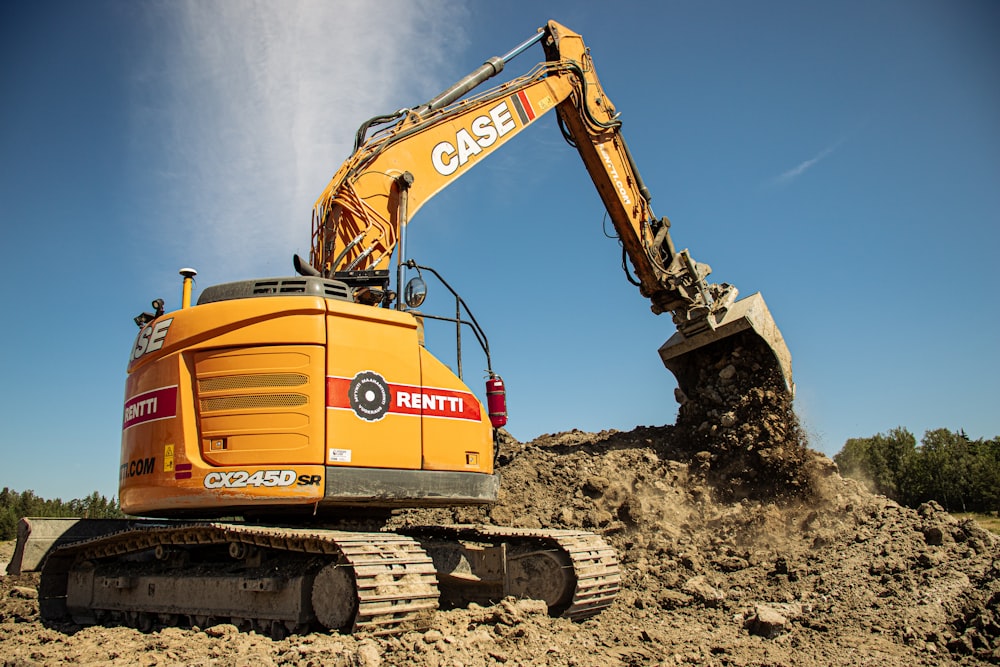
column 750, row 322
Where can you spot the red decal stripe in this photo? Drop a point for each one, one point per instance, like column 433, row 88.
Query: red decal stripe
column 407, row 399
column 150, row 406
column 336, row 393
column 526, row 103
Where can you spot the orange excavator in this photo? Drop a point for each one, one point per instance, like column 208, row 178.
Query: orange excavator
column 271, row 428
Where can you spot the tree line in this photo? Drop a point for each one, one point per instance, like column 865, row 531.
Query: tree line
column 14, row 505
column 961, row 474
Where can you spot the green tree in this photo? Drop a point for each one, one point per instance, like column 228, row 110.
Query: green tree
column 985, row 475
column 15, row 505
column 961, row 474
column 947, row 459
column 8, row 523
column 879, row 461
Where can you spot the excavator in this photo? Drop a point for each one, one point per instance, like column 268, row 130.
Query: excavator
column 271, row 428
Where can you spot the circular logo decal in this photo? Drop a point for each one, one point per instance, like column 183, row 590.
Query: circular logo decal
column 369, row 396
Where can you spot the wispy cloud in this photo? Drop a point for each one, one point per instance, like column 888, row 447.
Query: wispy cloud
column 261, row 103
column 790, row 175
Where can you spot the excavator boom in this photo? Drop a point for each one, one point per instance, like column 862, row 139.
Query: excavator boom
column 401, row 160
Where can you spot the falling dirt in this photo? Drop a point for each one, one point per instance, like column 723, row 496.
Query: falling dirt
column 739, row 546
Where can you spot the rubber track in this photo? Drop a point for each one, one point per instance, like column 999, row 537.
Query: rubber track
column 595, row 563
column 396, row 580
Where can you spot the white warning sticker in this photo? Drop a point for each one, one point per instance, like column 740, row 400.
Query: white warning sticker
column 339, row 456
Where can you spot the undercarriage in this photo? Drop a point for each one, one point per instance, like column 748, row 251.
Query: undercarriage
column 279, row 580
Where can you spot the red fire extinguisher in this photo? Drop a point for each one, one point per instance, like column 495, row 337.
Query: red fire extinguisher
column 496, row 400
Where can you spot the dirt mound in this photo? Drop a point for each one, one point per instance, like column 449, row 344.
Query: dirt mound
column 835, row 576
column 824, row 574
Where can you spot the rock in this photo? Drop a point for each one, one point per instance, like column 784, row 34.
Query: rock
column 222, row 630
column 731, row 564
column 962, row 644
column 934, row 536
column 930, row 508
column 597, row 518
column 24, row 592
column 699, row 588
column 369, row 654
column 433, row 636
column 528, row 607
column 630, row 511
column 766, row 622
column 595, row 485
column 671, row 599
column 793, row 611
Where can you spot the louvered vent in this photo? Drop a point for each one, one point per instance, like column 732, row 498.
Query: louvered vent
column 260, row 405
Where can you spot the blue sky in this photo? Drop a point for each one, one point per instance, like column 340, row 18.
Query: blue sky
column 841, row 158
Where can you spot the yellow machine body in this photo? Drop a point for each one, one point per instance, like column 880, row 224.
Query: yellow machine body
column 288, row 401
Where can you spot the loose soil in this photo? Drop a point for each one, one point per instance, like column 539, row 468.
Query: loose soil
column 739, row 546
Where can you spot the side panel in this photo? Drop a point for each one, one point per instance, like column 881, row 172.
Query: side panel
column 393, row 405
column 370, row 351
column 254, row 370
column 459, row 440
